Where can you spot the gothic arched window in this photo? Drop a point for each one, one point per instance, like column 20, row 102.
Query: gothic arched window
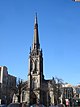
column 35, row 67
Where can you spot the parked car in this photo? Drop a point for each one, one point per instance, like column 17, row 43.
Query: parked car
column 40, row 105
column 14, row 105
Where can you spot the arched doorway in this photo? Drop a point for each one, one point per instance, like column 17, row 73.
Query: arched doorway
column 33, row 98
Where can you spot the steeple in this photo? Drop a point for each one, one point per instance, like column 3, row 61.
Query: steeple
column 35, row 44
column 35, row 74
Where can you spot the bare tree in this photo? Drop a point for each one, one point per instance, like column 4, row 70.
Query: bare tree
column 19, row 86
column 57, row 85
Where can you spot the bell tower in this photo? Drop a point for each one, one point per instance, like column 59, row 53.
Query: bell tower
column 35, row 71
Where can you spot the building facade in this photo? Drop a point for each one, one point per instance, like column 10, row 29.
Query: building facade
column 7, row 85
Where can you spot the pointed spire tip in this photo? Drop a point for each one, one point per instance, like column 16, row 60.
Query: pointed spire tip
column 36, row 18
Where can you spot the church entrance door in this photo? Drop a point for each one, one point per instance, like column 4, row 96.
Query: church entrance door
column 33, row 98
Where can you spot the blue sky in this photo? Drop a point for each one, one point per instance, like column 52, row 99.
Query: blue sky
column 59, row 34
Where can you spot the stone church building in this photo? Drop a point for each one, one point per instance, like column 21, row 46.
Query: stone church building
column 36, row 88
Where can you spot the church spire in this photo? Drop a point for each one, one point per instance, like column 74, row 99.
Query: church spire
column 36, row 36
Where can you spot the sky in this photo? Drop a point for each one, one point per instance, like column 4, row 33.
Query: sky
column 59, row 36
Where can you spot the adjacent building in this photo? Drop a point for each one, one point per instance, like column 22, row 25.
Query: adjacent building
column 7, row 85
column 71, row 95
